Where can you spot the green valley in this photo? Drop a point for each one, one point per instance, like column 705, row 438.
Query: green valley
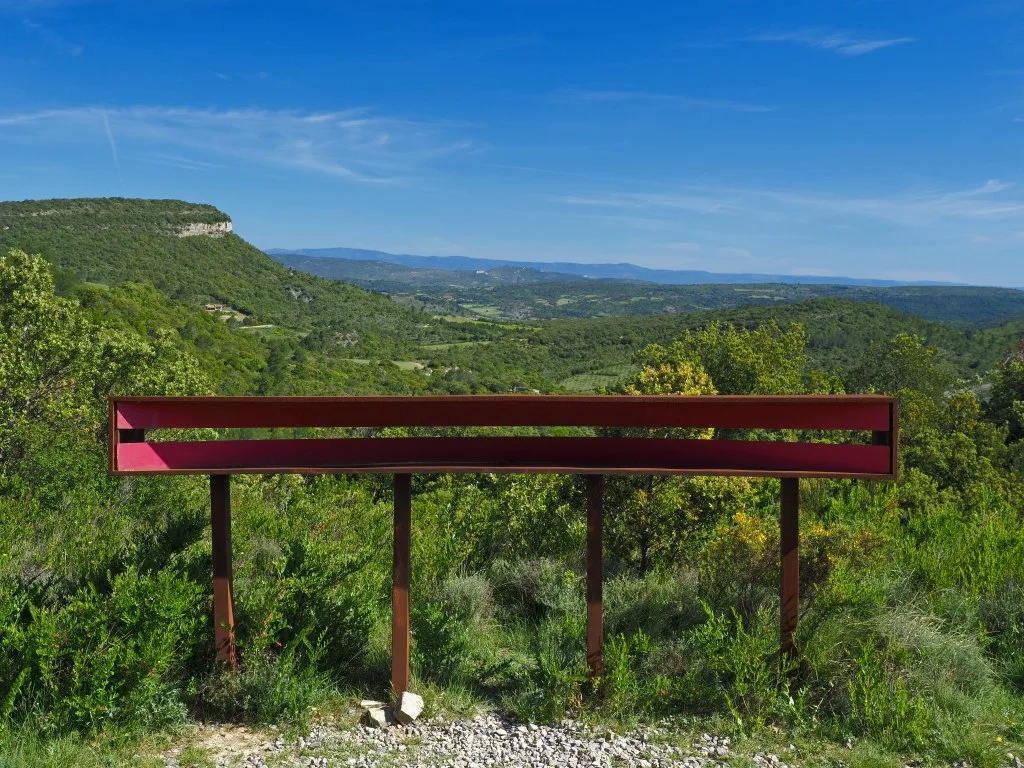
column 519, row 293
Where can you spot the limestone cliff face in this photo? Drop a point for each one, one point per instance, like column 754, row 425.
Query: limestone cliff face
column 219, row 229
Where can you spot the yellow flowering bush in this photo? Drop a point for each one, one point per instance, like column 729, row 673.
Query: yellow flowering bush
column 746, row 547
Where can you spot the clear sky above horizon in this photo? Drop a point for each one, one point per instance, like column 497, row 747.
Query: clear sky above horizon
column 869, row 138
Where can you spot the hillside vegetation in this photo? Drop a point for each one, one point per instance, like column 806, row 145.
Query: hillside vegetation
column 911, row 642
column 110, row 241
column 583, row 355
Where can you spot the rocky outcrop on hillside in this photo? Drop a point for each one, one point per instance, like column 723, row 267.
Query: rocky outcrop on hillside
column 219, row 229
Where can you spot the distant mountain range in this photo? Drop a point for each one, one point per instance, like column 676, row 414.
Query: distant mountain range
column 522, row 293
column 389, row 276
column 621, row 271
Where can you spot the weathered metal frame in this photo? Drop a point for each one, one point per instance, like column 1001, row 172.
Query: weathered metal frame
column 132, row 417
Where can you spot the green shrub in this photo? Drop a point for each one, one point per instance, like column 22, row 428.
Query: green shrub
column 440, row 640
column 102, row 659
column 626, row 683
column 468, row 597
column 1001, row 613
column 555, row 684
column 738, row 665
column 661, row 605
column 330, row 597
column 268, row 687
column 534, row 588
column 881, row 662
column 881, row 704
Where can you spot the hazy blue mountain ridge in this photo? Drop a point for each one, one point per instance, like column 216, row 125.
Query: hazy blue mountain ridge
column 620, row 271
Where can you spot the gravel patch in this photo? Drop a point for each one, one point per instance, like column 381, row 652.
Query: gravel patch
column 486, row 741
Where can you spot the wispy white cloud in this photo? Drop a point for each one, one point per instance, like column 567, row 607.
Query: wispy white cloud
column 52, row 39
column 699, row 200
column 685, row 246
column 179, row 161
column 355, row 144
column 845, row 43
column 743, row 253
column 708, row 249
column 988, row 202
column 643, row 223
column 984, row 202
column 584, row 96
column 113, row 146
column 1014, row 237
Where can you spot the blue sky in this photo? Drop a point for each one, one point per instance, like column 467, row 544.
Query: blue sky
column 872, row 138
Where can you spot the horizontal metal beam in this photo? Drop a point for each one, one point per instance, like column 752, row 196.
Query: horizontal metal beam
column 548, row 455
column 808, row 412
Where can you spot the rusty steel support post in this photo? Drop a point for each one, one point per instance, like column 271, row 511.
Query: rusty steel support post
column 789, row 551
column 400, row 585
column 595, row 618
column 223, row 607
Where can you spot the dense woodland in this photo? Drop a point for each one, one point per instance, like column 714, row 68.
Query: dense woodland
column 911, row 642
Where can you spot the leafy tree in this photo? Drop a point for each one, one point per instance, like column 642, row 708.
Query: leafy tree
column 43, row 349
column 650, row 520
column 958, row 448
column 902, row 364
column 57, row 367
column 671, row 378
column 763, row 361
column 1006, row 403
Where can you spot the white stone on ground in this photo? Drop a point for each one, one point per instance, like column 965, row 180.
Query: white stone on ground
column 381, row 717
column 409, row 708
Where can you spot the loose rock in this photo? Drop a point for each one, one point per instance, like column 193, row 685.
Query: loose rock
column 409, row 708
column 486, row 741
column 380, row 717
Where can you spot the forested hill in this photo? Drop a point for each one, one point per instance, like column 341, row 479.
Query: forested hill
column 178, row 247
column 585, row 355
